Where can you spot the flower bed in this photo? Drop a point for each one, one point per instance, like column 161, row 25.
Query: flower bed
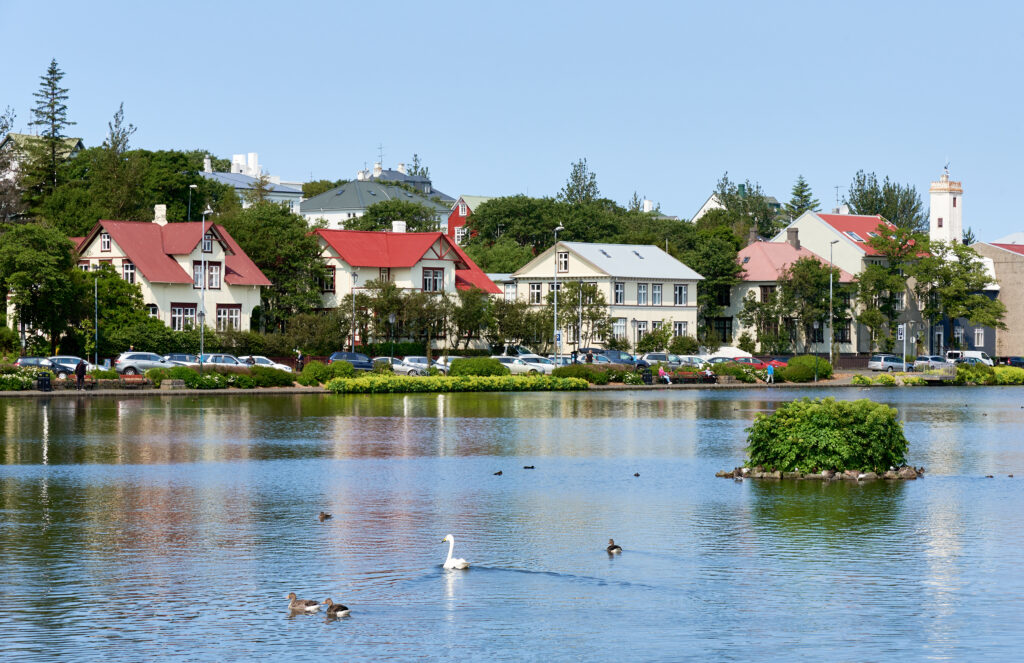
column 396, row 384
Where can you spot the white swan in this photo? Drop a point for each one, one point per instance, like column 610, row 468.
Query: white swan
column 453, row 563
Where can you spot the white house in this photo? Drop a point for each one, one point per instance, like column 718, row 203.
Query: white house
column 170, row 261
column 644, row 286
column 244, row 175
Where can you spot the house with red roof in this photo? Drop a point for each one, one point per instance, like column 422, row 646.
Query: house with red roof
column 426, row 261
column 172, row 262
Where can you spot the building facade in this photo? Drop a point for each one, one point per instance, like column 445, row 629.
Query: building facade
column 1008, row 266
column 461, row 210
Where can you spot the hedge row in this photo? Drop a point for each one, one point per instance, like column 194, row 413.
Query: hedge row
column 395, row 384
column 480, row 366
column 316, row 373
column 222, row 377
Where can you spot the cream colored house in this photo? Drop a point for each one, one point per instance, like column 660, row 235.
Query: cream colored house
column 170, row 261
column 644, row 286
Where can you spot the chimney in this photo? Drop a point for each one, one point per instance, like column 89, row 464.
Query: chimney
column 401, row 168
column 207, row 165
column 160, row 215
column 398, row 226
column 648, row 205
column 361, row 175
column 377, row 170
column 792, row 237
column 752, row 237
column 252, row 165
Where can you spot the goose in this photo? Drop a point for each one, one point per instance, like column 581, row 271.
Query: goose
column 456, row 563
column 336, row 609
column 498, row 473
column 324, row 516
column 302, row 605
column 529, row 467
column 612, row 548
column 636, row 474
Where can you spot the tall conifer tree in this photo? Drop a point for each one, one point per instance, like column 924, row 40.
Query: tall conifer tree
column 50, row 114
column 801, row 199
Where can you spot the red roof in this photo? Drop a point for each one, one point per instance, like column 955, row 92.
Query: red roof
column 853, row 226
column 1015, row 248
column 151, row 246
column 365, row 248
column 765, row 261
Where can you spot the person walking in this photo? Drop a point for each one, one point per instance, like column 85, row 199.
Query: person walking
column 770, row 379
column 299, row 362
column 80, row 375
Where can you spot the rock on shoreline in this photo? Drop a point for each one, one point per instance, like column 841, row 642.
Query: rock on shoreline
column 906, row 472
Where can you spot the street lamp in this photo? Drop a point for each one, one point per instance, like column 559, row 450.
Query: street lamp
column 391, row 321
column 634, row 323
column 96, row 319
column 202, row 291
column 831, row 321
column 190, row 188
column 355, row 278
column 555, row 287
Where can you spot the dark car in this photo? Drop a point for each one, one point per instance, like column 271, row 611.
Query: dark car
column 34, row 362
column 617, row 357
column 360, row 362
column 1015, row 361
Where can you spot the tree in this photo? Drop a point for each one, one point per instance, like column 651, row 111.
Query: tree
column 120, row 308
column 656, row 339
column 748, row 200
column 35, row 267
column 969, row 237
column 503, row 256
column 581, row 187
column 713, row 256
column 379, row 216
column 468, row 316
column 46, row 152
column 280, row 244
column 950, row 280
column 576, row 301
column 897, row 203
column 766, row 317
column 636, row 203
column 418, row 169
column 260, row 190
column 117, row 174
column 524, row 220
column 11, row 205
column 802, row 199
column 883, row 283
column 316, row 187
column 517, row 323
column 803, row 288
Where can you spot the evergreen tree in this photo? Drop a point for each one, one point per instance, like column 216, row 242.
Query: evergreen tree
column 802, row 199
column 47, row 152
column 969, row 237
column 418, row 169
column 897, row 203
column 117, row 174
column 581, row 187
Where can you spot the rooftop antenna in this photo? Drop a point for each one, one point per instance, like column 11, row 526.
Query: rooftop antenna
column 838, row 186
column 380, row 154
column 946, row 167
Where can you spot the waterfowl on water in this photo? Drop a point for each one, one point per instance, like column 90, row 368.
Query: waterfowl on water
column 453, row 563
column 636, row 474
column 302, row 605
column 989, row 476
column 529, row 467
column 324, row 516
column 336, row 609
column 498, row 473
column 612, row 548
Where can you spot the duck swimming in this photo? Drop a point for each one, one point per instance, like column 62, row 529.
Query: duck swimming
column 336, row 609
column 613, row 548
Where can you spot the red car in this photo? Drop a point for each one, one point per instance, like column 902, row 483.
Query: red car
column 752, row 362
column 777, row 363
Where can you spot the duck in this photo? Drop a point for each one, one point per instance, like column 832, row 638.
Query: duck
column 336, row 609
column 636, row 474
column 324, row 516
column 453, row 563
column 529, row 467
column 498, row 473
column 612, row 548
column 302, row 605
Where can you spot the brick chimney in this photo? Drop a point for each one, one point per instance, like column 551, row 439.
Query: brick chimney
column 160, row 215
column 792, row 237
column 752, row 237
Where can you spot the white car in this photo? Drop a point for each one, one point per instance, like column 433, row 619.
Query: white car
column 445, row 364
column 260, row 360
column 400, row 366
column 518, row 366
column 422, row 364
column 542, row 364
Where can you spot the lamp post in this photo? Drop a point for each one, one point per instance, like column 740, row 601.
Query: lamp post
column 555, row 288
column 202, row 291
column 355, row 278
column 96, row 320
column 191, row 187
column 831, row 321
column 634, row 323
column 391, row 321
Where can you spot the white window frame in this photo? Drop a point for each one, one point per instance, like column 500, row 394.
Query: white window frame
column 619, row 328
column 510, row 292
column 679, row 328
column 183, row 316
column 618, row 292
column 563, row 262
column 128, row 271
column 655, row 294
column 681, row 294
column 152, row 311
column 535, row 293
column 641, row 329
column 462, row 209
column 104, row 241
column 213, row 276
column 641, row 294
column 228, row 315
column 433, row 279
column 207, row 242
column 460, row 234
column 979, row 337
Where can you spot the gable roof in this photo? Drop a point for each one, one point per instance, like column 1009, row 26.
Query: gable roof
column 640, row 261
column 151, row 248
column 368, row 248
column 1013, row 248
column 21, row 141
column 360, row 194
column 247, row 182
column 765, row 261
column 854, row 226
column 472, row 202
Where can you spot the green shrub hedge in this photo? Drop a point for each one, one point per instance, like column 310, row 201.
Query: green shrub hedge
column 814, row 435
column 588, row 372
column 974, row 374
column 861, row 381
column 824, row 367
column 1009, row 375
column 316, row 373
column 395, row 384
column 795, row 373
column 18, row 378
column 222, row 377
column 481, row 366
column 736, row 370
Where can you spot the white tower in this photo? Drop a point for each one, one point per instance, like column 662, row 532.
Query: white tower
column 945, row 220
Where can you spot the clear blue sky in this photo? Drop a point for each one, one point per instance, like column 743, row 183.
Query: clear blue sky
column 500, row 98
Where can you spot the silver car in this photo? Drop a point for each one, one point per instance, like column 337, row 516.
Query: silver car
column 517, row 366
column 260, row 360
column 137, row 363
column 421, row 363
column 64, row 365
column 930, row 362
column 399, row 366
column 887, row 363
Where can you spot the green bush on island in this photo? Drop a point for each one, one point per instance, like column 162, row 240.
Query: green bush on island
column 1009, row 375
column 481, row 366
column 588, row 372
column 813, row 362
column 861, row 381
column 812, row 435
column 397, row 384
column 736, row 370
column 913, row 381
column 316, row 373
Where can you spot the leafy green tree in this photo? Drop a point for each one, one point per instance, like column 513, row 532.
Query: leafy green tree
column 517, row 323
column 578, row 300
column 35, row 268
column 766, row 317
column 468, row 316
column 951, row 279
column 11, row 205
column 801, row 199
column 656, row 340
column 897, row 203
column 803, row 288
column 883, row 283
column 636, row 203
column 684, row 345
column 526, row 221
column 260, row 190
column 713, row 256
column 378, row 216
column 316, row 187
column 280, row 244
column 117, row 174
column 749, row 201
column 503, row 256
column 581, row 187
column 46, row 153
column 418, row 169
column 120, row 308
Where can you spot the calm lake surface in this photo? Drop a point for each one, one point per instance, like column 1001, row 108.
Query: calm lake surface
column 172, row 528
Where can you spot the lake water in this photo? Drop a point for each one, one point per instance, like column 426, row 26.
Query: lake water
column 173, row 528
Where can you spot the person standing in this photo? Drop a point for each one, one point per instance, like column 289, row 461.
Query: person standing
column 80, row 375
column 299, row 362
column 770, row 379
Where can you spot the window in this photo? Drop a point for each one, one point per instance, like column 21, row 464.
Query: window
column 327, row 280
column 940, row 221
column 766, row 292
column 619, row 328
column 104, row 241
column 815, row 335
column 554, row 287
column 722, row 327
column 724, row 297
column 128, row 271
column 460, row 234
column 954, row 201
column 589, row 291
column 641, row 329
column 183, row 316
column 433, row 280
column 656, row 294
column 462, row 209
column 979, row 333
column 656, row 324
column 229, row 316
column 854, row 236
column 207, row 243
column 681, row 297
column 152, row 311
column 213, row 275
column 679, row 328
column 641, row 294
column 535, row 293
column 510, row 292
column 197, row 274
column 841, row 333
column 619, row 293
column 563, row 261
column 384, row 275
column 83, row 265
column 958, row 336
column 899, row 302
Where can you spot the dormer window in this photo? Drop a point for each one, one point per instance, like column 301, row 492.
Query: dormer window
column 207, row 243
column 462, row 209
column 563, row 261
column 104, row 241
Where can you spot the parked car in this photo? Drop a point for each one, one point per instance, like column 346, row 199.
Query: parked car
column 181, row 359
column 260, row 360
column 220, row 359
column 620, row 357
column 137, row 363
column 359, row 361
column 887, row 363
column 517, row 366
column 669, row 359
column 1015, row 361
column 512, row 350
column 692, row 360
column 775, row 361
column 953, row 355
column 446, row 362
column 34, row 362
column 929, row 362
column 720, row 360
column 597, row 359
column 399, row 366
column 542, row 364
column 752, row 362
column 971, row 361
column 64, row 365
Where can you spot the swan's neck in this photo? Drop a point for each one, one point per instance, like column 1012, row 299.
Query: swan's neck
column 451, row 547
